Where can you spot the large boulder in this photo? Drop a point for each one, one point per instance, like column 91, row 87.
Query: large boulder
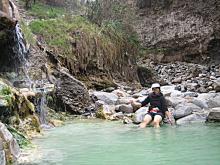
column 193, row 118
column 108, row 98
column 139, row 114
column 214, row 101
column 72, row 95
column 125, row 108
column 186, row 109
column 214, row 115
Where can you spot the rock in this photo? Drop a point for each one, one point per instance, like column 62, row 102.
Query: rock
column 109, row 89
column 200, row 103
column 127, row 120
column 214, row 101
column 139, row 114
column 4, row 133
column 2, row 157
column 214, row 115
column 125, row 100
column 174, row 101
column 192, row 119
column 71, row 94
column 170, row 91
column 104, row 111
column 14, row 148
column 9, row 147
column 56, row 123
column 191, row 94
column 3, row 103
column 120, row 93
column 216, row 85
column 108, row 98
column 125, row 108
column 177, row 80
column 118, row 115
column 185, row 109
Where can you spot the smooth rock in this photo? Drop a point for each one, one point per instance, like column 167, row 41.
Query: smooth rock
column 193, row 118
column 108, row 98
column 126, row 108
column 2, row 157
column 185, row 109
column 139, row 114
column 214, row 115
column 120, row 93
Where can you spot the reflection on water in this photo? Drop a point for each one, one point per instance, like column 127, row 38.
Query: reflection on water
column 112, row 143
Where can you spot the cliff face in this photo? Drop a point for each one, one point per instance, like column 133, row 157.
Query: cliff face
column 173, row 30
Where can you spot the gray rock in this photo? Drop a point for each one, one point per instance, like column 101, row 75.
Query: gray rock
column 125, row 100
column 186, row 109
column 216, row 85
column 174, row 101
column 108, row 98
column 200, row 103
column 177, row 80
column 14, row 148
column 4, row 133
column 127, row 120
column 71, row 94
column 2, row 157
column 191, row 94
column 214, row 115
column 126, row 108
column 193, row 118
column 139, row 114
column 120, row 93
column 214, row 101
column 3, row 103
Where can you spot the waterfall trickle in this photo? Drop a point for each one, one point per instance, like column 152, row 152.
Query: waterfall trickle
column 38, row 87
column 22, row 53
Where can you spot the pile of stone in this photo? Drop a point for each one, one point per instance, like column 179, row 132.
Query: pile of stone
column 190, row 77
column 186, row 107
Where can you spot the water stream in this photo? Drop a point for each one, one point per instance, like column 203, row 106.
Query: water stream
column 94, row 142
column 22, row 56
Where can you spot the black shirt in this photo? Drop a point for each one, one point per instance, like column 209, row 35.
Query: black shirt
column 156, row 100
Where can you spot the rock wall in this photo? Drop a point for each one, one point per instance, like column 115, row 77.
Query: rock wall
column 173, row 30
column 8, row 41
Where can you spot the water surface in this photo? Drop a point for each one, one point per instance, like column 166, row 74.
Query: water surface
column 112, row 143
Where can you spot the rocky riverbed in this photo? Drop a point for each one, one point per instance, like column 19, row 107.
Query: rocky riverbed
column 186, row 107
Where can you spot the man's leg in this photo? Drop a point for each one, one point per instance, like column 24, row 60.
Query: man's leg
column 147, row 120
column 157, row 120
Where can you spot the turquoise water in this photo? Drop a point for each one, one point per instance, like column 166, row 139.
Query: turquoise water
column 112, row 143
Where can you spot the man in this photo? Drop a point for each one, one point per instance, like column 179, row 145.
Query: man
column 158, row 107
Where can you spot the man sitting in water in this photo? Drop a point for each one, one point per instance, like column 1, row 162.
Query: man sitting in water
column 158, row 107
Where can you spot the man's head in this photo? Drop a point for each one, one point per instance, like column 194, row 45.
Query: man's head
column 155, row 88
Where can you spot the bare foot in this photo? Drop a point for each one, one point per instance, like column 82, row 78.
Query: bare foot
column 143, row 125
